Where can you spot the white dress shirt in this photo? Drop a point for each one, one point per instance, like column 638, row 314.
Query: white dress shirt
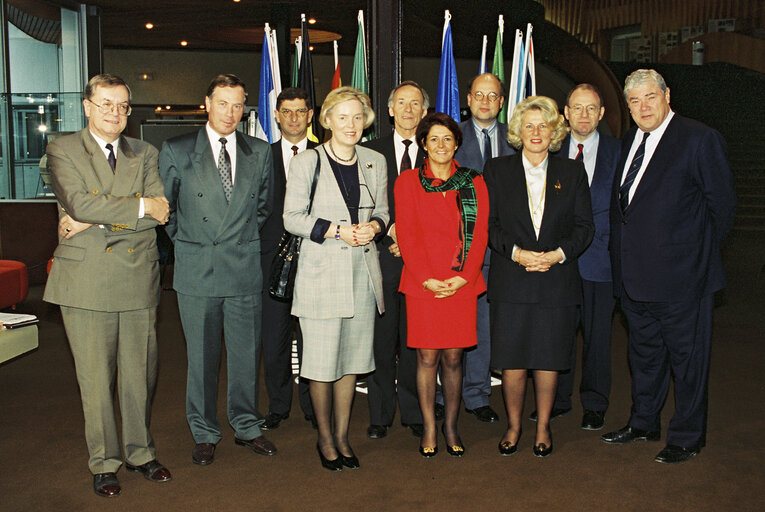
column 398, row 146
column 230, row 147
column 589, row 152
column 650, row 149
column 287, row 152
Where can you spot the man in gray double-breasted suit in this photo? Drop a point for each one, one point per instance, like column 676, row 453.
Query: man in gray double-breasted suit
column 218, row 182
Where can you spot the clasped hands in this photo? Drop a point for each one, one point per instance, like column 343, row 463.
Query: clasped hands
column 359, row 234
column 156, row 207
column 445, row 288
column 534, row 261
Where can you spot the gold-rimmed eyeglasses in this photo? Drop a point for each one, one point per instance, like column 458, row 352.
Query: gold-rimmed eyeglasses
column 108, row 107
column 299, row 112
column 480, row 96
column 591, row 110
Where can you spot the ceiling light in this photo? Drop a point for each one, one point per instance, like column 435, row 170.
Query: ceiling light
column 149, row 26
column 201, row 107
column 310, row 48
column 184, row 43
column 311, row 20
column 167, row 107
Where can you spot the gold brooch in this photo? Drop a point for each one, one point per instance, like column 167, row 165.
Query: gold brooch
column 557, row 185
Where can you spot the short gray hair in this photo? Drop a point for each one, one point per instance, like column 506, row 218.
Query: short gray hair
column 425, row 97
column 641, row 77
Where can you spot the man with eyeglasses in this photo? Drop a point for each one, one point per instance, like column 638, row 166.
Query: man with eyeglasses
column 483, row 137
column 600, row 154
column 294, row 113
column 218, row 182
column 407, row 104
column 105, row 277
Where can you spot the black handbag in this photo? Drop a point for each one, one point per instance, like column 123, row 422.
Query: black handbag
column 281, row 279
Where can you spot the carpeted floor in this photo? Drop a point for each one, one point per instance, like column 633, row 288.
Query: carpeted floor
column 43, row 458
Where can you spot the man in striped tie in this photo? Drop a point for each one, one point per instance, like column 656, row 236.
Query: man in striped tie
column 672, row 204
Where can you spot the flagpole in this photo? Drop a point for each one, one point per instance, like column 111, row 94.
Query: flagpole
column 482, row 64
column 530, row 59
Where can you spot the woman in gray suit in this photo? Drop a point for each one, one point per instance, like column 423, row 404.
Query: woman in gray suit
column 338, row 281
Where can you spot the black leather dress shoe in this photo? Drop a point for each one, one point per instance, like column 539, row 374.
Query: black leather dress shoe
column 377, row 431
column 593, row 420
column 629, row 435
column 203, row 454
column 484, row 413
column 331, row 465
column 273, row 419
column 259, row 445
column 440, row 411
column 672, row 454
column 152, row 471
column 555, row 413
column 416, row 428
column 106, row 485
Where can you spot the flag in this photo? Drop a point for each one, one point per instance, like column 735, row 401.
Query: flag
column 498, row 66
column 359, row 77
column 305, row 77
column 296, row 62
column 531, row 72
column 276, row 71
column 267, row 128
column 515, row 74
column 336, row 82
column 448, row 94
column 482, row 64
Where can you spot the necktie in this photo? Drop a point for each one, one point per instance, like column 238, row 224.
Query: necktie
column 294, row 150
column 629, row 179
column 111, row 158
column 224, row 168
column 580, row 155
column 486, row 145
column 406, row 161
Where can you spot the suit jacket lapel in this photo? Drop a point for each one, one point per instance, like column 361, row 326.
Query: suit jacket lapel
column 663, row 154
column 98, row 162
column 126, row 172
column 518, row 176
column 206, row 169
column 552, row 189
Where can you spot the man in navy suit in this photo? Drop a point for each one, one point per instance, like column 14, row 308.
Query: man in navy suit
column 407, row 104
column 293, row 113
column 672, row 204
column 483, row 137
column 600, row 154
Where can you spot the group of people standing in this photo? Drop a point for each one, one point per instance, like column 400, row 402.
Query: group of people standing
column 394, row 277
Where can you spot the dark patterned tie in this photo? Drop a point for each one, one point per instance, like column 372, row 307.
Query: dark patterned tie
column 406, row 161
column 486, row 145
column 294, row 150
column 224, row 168
column 580, row 155
column 111, row 158
column 637, row 162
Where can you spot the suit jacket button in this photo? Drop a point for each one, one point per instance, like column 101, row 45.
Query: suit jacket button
column 215, row 243
column 95, row 191
column 130, row 249
column 108, row 249
column 366, row 250
column 204, row 219
column 200, row 194
column 138, row 194
column 239, row 243
column 252, row 196
column 624, row 222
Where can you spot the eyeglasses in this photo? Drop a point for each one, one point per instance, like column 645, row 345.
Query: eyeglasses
column 108, row 107
column 590, row 109
column 480, row 96
column 300, row 112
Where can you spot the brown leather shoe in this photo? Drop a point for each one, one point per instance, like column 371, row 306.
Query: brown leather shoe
column 203, row 454
column 259, row 445
column 106, row 485
column 152, row 471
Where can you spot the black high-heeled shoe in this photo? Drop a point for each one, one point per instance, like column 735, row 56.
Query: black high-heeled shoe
column 455, row 450
column 542, row 450
column 351, row 462
column 508, row 448
column 332, row 465
column 428, row 451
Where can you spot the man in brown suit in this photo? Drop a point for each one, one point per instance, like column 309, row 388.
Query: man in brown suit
column 105, row 277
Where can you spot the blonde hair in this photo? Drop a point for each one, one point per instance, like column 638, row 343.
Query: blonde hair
column 341, row 94
column 554, row 119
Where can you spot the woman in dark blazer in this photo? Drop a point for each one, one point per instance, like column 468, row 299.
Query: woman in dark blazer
column 540, row 221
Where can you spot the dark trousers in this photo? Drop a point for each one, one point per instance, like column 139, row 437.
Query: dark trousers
column 277, row 328
column 595, row 315
column 670, row 339
column 390, row 338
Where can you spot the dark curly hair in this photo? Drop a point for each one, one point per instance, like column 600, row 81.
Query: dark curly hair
column 431, row 120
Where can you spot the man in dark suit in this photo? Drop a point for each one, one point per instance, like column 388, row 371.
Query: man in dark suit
column 600, row 154
column 407, row 104
column 218, row 182
column 293, row 113
column 105, row 277
column 672, row 204
column 483, row 137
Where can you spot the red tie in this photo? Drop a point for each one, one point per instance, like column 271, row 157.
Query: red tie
column 580, row 156
column 294, row 150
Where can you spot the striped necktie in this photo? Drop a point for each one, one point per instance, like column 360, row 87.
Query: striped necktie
column 637, row 162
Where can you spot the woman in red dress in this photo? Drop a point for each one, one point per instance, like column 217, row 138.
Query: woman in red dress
column 442, row 231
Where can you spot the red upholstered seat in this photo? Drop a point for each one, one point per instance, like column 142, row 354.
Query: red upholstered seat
column 14, row 283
